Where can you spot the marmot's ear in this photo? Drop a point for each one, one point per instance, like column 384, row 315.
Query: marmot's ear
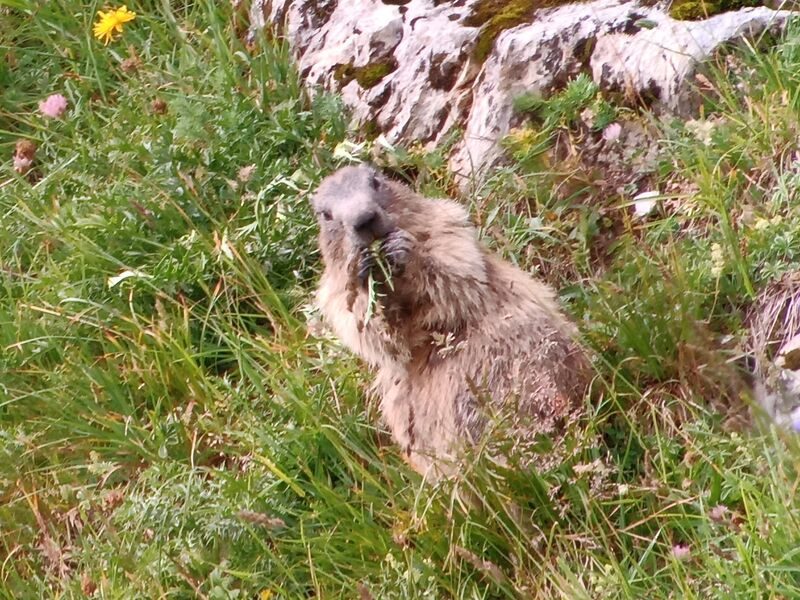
column 372, row 167
column 375, row 175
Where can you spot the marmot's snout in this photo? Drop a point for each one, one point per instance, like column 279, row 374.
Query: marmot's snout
column 369, row 224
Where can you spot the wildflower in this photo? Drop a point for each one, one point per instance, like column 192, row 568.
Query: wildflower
column 717, row 260
column 719, row 513
column 795, row 419
column 702, row 130
column 761, row 224
column 53, row 106
column 520, row 136
column 24, row 153
column 22, row 164
column 681, row 551
column 158, row 106
column 88, row 587
column 110, row 22
column 130, row 64
column 612, row 132
column 245, row 173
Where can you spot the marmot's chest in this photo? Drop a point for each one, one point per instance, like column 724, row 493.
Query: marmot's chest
column 425, row 400
column 420, row 411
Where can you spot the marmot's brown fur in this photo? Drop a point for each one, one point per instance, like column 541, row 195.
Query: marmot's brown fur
column 457, row 334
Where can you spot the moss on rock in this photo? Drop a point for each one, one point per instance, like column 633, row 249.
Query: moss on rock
column 343, row 73
column 367, row 76
column 696, row 10
column 495, row 16
column 370, row 129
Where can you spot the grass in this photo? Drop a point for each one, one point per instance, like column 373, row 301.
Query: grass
column 168, row 428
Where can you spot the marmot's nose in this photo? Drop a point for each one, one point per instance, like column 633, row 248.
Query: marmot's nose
column 369, row 226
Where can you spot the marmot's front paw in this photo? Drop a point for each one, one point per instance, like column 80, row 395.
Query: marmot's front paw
column 394, row 253
column 366, row 261
column 397, row 250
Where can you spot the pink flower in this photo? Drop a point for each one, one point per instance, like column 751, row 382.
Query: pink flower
column 54, row 106
column 612, row 132
column 22, row 164
column 719, row 513
column 681, row 551
column 24, row 153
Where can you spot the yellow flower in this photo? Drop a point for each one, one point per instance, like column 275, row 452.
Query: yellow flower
column 110, row 22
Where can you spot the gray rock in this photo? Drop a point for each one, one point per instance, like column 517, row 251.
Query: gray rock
column 783, row 385
column 433, row 83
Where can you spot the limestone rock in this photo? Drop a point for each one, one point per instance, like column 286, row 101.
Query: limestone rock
column 774, row 342
column 789, row 354
column 410, row 69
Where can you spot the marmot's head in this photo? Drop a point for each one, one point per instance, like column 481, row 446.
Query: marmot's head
column 352, row 206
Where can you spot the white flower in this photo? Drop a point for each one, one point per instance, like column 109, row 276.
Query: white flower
column 761, row 224
column 702, row 130
column 612, row 132
column 717, row 260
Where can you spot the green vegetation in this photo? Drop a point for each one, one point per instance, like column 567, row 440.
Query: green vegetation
column 560, row 112
column 563, row 109
column 168, row 428
column 695, row 10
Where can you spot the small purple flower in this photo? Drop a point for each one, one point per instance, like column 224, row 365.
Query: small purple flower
column 719, row 513
column 681, row 551
column 22, row 164
column 53, row 106
column 795, row 418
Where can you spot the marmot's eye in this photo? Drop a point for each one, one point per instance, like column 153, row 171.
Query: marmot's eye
column 326, row 214
column 374, row 182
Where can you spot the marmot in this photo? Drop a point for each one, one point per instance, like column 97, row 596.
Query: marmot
column 456, row 334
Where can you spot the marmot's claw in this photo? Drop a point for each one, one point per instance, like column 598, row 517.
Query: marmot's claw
column 397, row 249
column 366, row 260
